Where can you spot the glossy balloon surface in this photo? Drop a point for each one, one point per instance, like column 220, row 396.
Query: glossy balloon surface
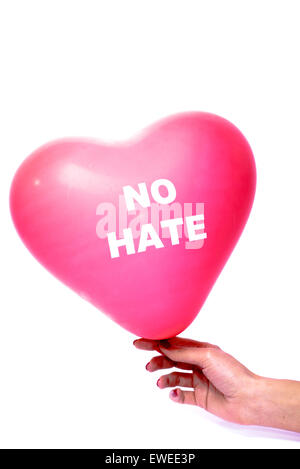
column 55, row 199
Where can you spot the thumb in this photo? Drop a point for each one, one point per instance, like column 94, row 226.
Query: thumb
column 187, row 353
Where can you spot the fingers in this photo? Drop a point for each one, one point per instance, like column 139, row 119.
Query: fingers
column 181, row 342
column 159, row 363
column 146, row 344
column 175, row 379
column 197, row 354
column 185, row 354
column 183, row 397
column 192, row 356
column 200, row 357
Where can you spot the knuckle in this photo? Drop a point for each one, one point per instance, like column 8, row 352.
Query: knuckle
column 210, row 353
column 177, row 379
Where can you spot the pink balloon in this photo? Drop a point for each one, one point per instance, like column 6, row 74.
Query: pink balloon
column 68, row 195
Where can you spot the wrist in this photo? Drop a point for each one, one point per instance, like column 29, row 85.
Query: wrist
column 274, row 403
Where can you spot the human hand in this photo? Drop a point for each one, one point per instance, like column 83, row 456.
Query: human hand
column 223, row 386
column 219, row 383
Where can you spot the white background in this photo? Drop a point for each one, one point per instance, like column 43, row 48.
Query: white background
column 106, row 69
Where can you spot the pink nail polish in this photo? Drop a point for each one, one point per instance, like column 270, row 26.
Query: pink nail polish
column 158, row 382
column 174, row 394
column 147, row 366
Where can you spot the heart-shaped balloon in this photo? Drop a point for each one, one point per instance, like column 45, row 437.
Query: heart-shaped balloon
column 143, row 229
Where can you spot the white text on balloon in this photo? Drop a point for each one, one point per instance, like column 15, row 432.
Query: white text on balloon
column 194, row 224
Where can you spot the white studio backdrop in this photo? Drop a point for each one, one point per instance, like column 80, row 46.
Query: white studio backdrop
column 70, row 377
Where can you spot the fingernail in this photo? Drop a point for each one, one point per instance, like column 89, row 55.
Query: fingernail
column 174, row 394
column 158, row 382
column 135, row 341
column 148, row 366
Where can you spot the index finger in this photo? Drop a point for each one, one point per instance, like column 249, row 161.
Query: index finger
column 174, row 342
column 146, row 344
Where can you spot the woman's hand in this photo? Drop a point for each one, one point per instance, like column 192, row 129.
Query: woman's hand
column 223, row 386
